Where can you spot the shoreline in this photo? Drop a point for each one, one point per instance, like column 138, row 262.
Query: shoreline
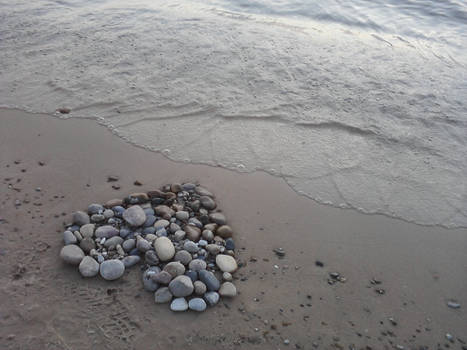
column 421, row 267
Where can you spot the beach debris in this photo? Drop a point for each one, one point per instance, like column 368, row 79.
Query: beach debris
column 336, row 277
column 319, row 263
column 112, row 178
column 64, row 110
column 279, row 252
column 176, row 234
column 393, row 322
column 450, row 337
column 380, row 291
column 453, row 304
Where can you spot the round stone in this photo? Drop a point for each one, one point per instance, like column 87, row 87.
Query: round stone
column 162, row 295
column 213, row 249
column 183, row 256
column 228, row 289
column 134, row 216
column 148, row 283
column 192, row 232
column 218, row 218
column 150, row 220
column 113, row 241
column 181, row 286
column 182, row 215
column 97, row 217
column 162, row 223
column 95, row 209
column 164, row 211
column 190, row 247
column 179, row 304
column 142, row 244
column 112, row 269
column 197, row 265
column 87, row 244
column 69, row 238
column 80, row 218
column 207, row 202
column 208, row 278
column 108, row 213
column 226, row 263
column 72, row 254
column 173, row 227
column 164, row 248
column 87, row 230
column 227, row 276
column 151, row 257
column 128, row 244
column 225, row 231
column 131, row 260
column 106, row 231
column 208, row 235
column 200, row 287
column 212, row 298
column 162, row 277
column 179, row 235
column 174, row 268
column 197, row 304
column 88, row 267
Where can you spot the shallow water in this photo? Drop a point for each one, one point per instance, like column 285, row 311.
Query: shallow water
column 359, row 106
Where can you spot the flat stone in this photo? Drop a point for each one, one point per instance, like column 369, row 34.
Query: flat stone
column 197, row 265
column 179, row 235
column 69, row 238
column 142, row 244
column 72, row 254
column 207, row 202
column 97, row 218
column 106, row 231
column 151, row 257
column 162, row 295
column 113, row 203
column 218, row 218
column 88, row 267
column 226, row 263
column 200, row 287
column 179, row 304
column 113, row 241
column 134, row 216
column 112, row 269
column 87, row 244
column 162, row 223
column 131, row 260
column 213, row 249
column 225, row 231
column 203, row 192
column 162, row 277
column 164, row 248
column 183, row 257
column 197, row 304
column 87, row 230
column 129, row 244
column 192, row 232
column 208, row 278
column 228, row 289
column 212, row 298
column 80, row 218
column 148, row 283
column 181, row 286
column 190, row 247
column 182, row 215
column 175, row 268
column 164, row 211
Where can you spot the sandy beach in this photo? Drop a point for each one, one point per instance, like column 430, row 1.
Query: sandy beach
column 52, row 167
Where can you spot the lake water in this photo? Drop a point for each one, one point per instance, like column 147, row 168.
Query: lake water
column 358, row 104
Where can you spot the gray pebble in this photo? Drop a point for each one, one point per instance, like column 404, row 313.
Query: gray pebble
column 212, row 298
column 106, row 231
column 179, row 304
column 134, row 216
column 218, row 218
column 129, row 244
column 88, row 267
column 131, row 260
column 80, row 218
column 151, row 257
column 69, row 238
column 197, row 304
column 97, row 217
column 112, row 269
column 142, row 244
column 182, row 215
column 197, row 265
column 191, row 247
column 207, row 202
column 113, row 241
column 183, row 257
column 200, row 287
column 211, row 282
column 162, row 295
column 148, row 283
column 179, row 235
column 181, row 286
column 108, row 213
column 175, row 268
column 192, row 274
column 87, row 230
column 95, row 209
column 72, row 254
column 162, row 277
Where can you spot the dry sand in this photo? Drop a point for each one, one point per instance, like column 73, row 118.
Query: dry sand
column 47, row 305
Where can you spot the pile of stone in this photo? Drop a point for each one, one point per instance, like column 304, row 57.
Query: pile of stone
column 182, row 242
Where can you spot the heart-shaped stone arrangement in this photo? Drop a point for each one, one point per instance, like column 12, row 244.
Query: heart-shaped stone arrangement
column 182, row 242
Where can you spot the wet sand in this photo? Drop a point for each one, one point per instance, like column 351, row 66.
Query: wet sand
column 47, row 305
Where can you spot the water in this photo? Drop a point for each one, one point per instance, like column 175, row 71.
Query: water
column 358, row 105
